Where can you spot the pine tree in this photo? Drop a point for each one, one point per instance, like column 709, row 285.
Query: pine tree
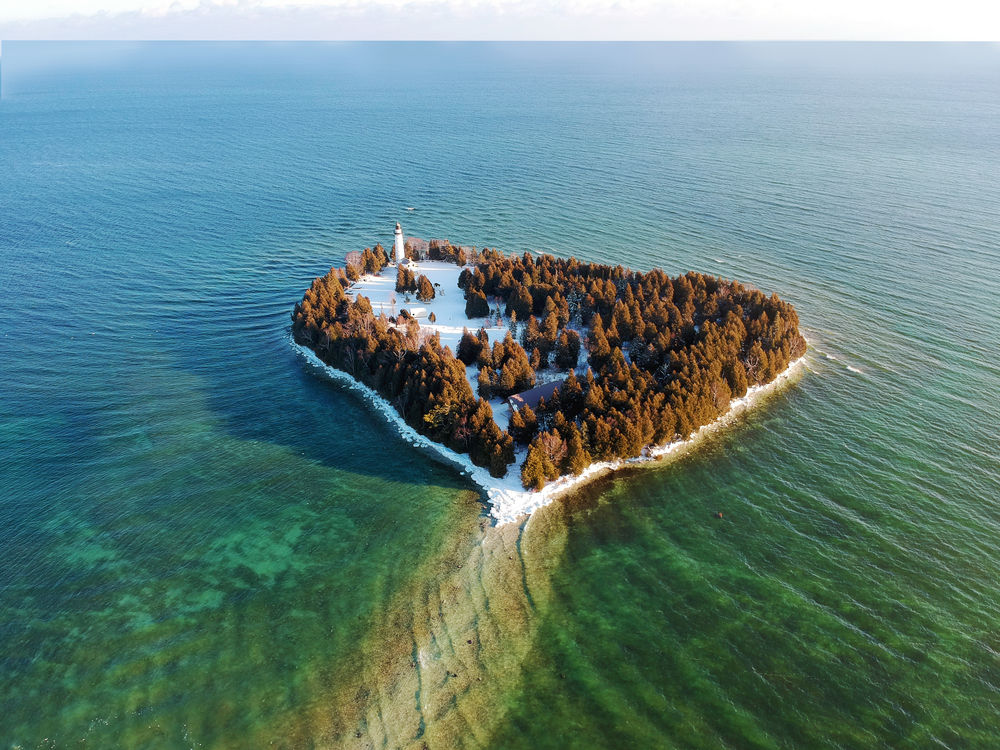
column 498, row 466
column 530, row 334
column 571, row 395
column 476, row 305
column 560, row 425
column 512, row 324
column 507, row 382
column 594, row 400
column 485, row 383
column 482, row 415
column 425, row 289
column 536, row 360
column 523, row 425
column 600, row 349
column 520, row 302
column 405, row 281
column 577, row 457
column 567, row 349
column 550, row 329
column 468, row 348
column 516, row 426
column 533, row 469
column 485, row 359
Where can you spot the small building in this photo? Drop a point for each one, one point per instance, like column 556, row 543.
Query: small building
column 416, row 312
column 531, row 397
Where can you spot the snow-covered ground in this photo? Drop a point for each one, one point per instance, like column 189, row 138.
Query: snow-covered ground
column 508, row 499
column 448, row 306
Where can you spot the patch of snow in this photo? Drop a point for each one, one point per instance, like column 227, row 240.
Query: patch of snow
column 448, row 306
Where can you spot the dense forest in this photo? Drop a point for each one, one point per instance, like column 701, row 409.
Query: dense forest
column 659, row 356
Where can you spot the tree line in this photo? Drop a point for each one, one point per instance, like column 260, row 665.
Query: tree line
column 662, row 357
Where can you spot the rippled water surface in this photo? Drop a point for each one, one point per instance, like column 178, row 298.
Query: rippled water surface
column 206, row 544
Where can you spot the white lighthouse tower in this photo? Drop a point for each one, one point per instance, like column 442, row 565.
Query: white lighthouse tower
column 398, row 250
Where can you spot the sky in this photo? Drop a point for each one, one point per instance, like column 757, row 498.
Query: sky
column 912, row 20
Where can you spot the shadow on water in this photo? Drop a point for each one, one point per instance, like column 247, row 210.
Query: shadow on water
column 262, row 389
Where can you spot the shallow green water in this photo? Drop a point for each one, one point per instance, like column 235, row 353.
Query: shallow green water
column 816, row 613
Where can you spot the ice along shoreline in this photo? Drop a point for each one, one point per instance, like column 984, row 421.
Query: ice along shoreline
column 509, row 504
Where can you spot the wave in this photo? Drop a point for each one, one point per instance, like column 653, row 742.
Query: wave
column 834, row 358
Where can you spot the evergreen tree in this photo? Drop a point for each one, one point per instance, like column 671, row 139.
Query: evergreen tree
column 594, row 400
column 519, row 303
column 571, row 395
column 485, row 359
column 577, row 457
column 405, row 280
column 425, row 289
column 535, row 469
column 512, row 325
column 523, row 425
column 530, row 335
column 567, row 349
column 516, row 426
column 476, row 305
column 600, row 349
column 536, row 360
column 524, row 375
column 507, row 381
column 498, row 464
column 485, row 383
column 468, row 348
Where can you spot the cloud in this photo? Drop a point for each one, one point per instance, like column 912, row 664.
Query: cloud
column 501, row 19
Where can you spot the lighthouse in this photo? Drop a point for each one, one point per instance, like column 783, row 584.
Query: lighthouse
column 398, row 250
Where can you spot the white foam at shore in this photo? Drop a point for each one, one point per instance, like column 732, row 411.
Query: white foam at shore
column 507, row 499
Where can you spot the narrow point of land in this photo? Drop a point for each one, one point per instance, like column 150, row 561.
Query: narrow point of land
column 534, row 372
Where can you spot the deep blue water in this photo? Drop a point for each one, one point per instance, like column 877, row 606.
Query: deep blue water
column 202, row 538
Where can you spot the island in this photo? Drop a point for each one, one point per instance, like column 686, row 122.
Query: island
column 535, row 370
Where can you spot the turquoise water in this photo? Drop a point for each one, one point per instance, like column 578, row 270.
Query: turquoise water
column 203, row 541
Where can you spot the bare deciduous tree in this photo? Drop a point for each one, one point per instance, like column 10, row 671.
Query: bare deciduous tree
column 554, row 447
